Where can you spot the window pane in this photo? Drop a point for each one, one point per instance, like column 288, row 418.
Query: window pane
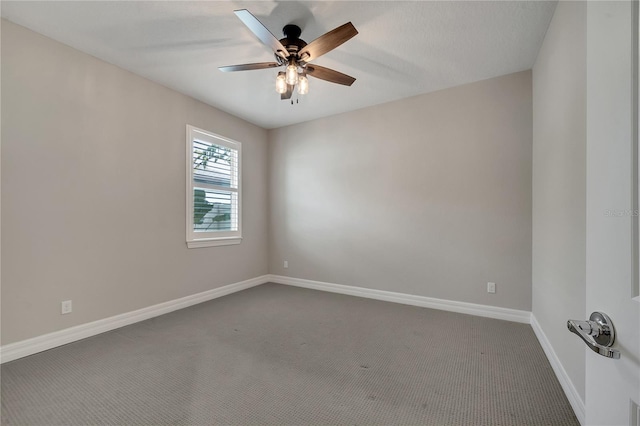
column 213, row 189
column 214, row 210
column 214, row 164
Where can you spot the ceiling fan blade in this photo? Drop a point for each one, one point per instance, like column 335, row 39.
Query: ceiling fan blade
column 263, row 34
column 327, row 42
column 288, row 93
column 248, row 67
column 329, row 75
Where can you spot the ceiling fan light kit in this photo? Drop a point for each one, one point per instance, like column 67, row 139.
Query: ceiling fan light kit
column 294, row 54
column 292, row 74
column 303, row 84
column 281, row 83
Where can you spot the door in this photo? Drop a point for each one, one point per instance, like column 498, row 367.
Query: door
column 612, row 385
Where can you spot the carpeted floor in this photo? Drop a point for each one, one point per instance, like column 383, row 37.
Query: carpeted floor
column 280, row 355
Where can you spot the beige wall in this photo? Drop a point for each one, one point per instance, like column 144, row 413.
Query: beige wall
column 93, row 190
column 428, row 196
column 559, row 185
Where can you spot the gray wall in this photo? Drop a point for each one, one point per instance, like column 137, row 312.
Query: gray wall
column 428, row 196
column 559, row 185
column 93, row 190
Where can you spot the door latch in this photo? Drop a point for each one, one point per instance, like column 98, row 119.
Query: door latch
column 598, row 333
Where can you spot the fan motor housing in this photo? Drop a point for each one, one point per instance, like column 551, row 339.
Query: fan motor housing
column 292, row 40
column 293, row 45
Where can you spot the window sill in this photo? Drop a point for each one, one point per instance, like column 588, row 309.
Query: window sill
column 214, row 242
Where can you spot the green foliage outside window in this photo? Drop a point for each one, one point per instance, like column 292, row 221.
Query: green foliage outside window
column 200, row 206
column 213, row 152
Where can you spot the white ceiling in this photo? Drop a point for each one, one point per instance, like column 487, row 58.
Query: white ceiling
column 404, row 48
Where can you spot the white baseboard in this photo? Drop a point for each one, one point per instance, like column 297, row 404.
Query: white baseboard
column 34, row 345
column 567, row 385
column 408, row 299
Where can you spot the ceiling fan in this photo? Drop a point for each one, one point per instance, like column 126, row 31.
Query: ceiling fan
column 294, row 54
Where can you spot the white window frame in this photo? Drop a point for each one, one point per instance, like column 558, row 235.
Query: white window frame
column 212, row 238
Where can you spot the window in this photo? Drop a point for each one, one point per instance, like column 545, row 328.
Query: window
column 213, row 189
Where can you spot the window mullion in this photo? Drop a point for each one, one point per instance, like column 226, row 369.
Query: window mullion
column 214, row 187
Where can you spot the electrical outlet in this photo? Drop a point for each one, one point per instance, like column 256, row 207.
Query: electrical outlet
column 286, row 264
column 66, row 307
column 491, row 287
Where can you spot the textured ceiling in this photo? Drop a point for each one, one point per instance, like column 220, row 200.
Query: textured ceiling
column 403, row 49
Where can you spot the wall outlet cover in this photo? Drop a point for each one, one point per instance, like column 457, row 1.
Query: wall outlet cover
column 66, row 307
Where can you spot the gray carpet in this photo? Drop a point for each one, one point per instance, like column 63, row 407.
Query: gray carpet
column 284, row 355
